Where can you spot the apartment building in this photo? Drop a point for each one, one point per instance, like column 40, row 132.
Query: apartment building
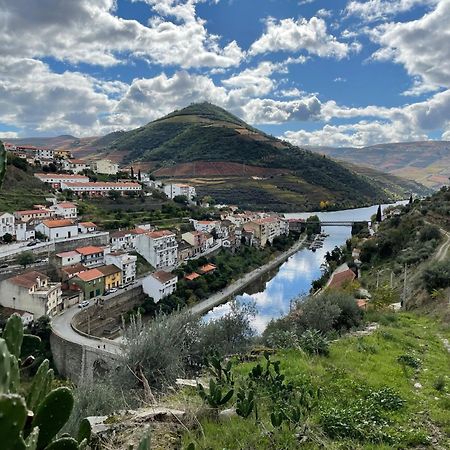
column 105, row 166
column 125, row 262
column 99, row 189
column 91, row 255
column 7, row 224
column 159, row 248
column 174, row 190
column 75, row 165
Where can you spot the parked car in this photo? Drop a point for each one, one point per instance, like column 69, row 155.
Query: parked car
column 83, row 304
column 30, row 244
column 112, row 290
column 4, row 266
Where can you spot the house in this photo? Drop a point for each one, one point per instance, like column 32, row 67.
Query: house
column 56, row 179
column 45, row 153
column 25, row 316
column 125, row 262
column 338, row 279
column 33, row 214
column 296, row 225
column 205, row 226
column 266, row 229
column 32, row 292
column 65, row 210
column 159, row 284
column 122, row 240
column 91, row 255
column 67, row 258
column 175, row 190
column 63, row 154
column 185, row 251
column 197, row 239
column 159, row 248
column 58, row 229
column 207, row 269
column 191, row 276
column 7, row 225
column 99, row 189
column 86, row 227
column 68, row 272
column 91, row 283
column 113, row 276
column 75, row 165
column 105, row 166
column 25, row 231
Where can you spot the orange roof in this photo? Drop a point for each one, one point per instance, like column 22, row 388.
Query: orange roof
column 89, row 250
column 88, row 224
column 74, row 269
column 27, row 279
column 60, row 175
column 208, row 268
column 191, row 276
column 338, row 279
column 104, row 184
column 160, row 234
column 27, row 212
column 57, row 223
column 66, row 205
column 90, row 275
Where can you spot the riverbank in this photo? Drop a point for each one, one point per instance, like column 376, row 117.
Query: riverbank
column 218, row 298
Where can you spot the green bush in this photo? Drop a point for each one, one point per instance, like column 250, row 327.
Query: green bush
column 437, row 276
column 314, row 343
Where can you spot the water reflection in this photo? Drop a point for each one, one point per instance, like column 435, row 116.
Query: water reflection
column 274, row 291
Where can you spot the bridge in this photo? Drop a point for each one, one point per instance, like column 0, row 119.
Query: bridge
column 342, row 223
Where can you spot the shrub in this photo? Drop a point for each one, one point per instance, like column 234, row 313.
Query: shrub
column 437, row 276
column 282, row 339
column 409, row 360
column 314, row 343
column 439, row 383
column 387, row 399
column 429, row 232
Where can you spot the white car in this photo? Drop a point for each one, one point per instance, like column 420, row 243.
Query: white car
column 83, row 304
column 112, row 290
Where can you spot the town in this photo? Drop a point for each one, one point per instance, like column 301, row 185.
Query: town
column 52, row 260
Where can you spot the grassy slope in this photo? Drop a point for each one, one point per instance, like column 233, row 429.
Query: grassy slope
column 21, row 190
column 355, row 364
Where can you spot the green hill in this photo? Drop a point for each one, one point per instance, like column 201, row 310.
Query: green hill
column 206, row 133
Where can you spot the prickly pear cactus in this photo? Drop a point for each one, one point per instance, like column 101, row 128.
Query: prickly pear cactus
column 13, row 414
column 5, row 367
column 52, row 414
column 13, row 335
column 38, row 388
column 65, row 443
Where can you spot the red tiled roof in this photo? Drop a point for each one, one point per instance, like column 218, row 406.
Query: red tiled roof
column 90, row 275
column 74, row 269
column 60, row 175
column 88, row 224
column 104, row 184
column 160, row 234
column 110, row 269
column 67, row 254
column 89, row 250
column 163, row 276
column 58, row 223
column 207, row 268
column 66, row 205
column 27, row 212
column 191, row 276
column 338, row 279
column 27, row 279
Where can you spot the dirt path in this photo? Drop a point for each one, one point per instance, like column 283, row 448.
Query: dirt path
column 444, row 248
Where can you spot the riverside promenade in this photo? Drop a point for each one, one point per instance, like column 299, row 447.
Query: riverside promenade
column 222, row 296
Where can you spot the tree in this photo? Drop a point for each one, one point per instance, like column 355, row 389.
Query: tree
column 7, row 238
column 132, row 172
column 139, row 175
column 379, row 215
column 25, row 259
column 113, row 195
column 411, row 199
column 181, row 199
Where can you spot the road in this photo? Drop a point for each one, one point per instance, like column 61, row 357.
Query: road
column 61, row 326
column 221, row 297
column 444, row 248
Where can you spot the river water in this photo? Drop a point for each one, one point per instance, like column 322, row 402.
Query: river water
column 275, row 290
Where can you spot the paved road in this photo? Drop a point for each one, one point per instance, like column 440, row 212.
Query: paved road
column 61, row 326
column 220, row 297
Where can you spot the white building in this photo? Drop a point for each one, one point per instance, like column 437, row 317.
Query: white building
column 45, row 153
column 75, row 165
column 124, row 239
column 86, row 227
column 55, row 179
column 205, row 226
column 159, row 248
column 173, row 190
column 32, row 292
column 92, row 256
column 67, row 258
column 106, row 166
column 33, row 214
column 24, row 231
column 58, row 229
column 159, row 284
column 65, row 210
column 100, row 188
column 7, row 224
column 125, row 262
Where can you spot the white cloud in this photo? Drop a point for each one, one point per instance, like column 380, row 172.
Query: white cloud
column 301, row 35
column 8, row 134
column 421, row 46
column 381, row 9
column 88, row 31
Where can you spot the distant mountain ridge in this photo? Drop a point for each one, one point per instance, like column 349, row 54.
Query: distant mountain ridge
column 427, row 162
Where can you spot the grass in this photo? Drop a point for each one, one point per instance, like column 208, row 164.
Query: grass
column 355, row 367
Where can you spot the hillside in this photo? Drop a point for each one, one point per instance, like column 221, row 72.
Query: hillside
column 426, row 162
column 251, row 168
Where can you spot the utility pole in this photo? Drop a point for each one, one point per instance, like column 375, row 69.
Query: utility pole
column 392, row 279
column 404, row 287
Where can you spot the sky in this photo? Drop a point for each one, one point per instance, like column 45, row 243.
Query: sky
column 314, row 72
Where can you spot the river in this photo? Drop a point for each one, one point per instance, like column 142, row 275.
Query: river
column 275, row 290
